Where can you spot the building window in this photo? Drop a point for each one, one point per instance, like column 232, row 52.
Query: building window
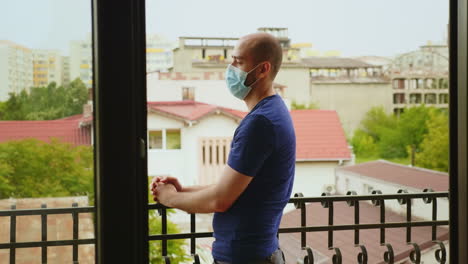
column 443, row 98
column 443, row 83
column 399, row 98
column 164, row 139
column 415, row 98
column 399, row 83
column 173, row 139
column 431, row 84
column 155, row 139
column 188, row 93
column 430, row 99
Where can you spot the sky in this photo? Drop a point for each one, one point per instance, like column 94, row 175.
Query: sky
column 354, row 27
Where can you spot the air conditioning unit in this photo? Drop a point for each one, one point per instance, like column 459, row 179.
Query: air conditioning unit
column 329, row 188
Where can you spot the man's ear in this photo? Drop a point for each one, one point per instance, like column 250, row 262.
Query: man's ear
column 265, row 69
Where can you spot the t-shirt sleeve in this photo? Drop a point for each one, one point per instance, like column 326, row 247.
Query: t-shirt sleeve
column 252, row 145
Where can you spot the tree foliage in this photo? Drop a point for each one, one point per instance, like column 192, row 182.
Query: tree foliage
column 434, row 152
column 32, row 168
column 46, row 103
column 418, row 133
column 297, row 106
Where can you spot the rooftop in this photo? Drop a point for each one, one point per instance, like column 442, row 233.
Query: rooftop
column 319, row 136
column 400, row 174
column 68, row 130
column 335, row 63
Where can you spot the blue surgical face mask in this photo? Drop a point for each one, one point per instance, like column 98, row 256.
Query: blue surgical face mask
column 235, row 79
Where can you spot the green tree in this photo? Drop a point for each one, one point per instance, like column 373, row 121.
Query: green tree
column 391, row 136
column 434, row 152
column 364, row 145
column 298, row 106
column 46, row 103
column 32, row 168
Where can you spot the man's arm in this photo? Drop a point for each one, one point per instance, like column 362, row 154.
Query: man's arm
column 213, row 198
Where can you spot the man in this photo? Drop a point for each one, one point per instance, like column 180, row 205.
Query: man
column 249, row 198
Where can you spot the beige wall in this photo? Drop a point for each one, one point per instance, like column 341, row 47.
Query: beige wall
column 297, row 82
column 351, row 101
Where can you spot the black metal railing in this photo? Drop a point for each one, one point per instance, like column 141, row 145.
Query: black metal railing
column 74, row 212
column 327, row 201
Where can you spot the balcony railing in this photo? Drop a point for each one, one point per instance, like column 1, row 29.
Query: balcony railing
column 327, row 201
column 74, row 211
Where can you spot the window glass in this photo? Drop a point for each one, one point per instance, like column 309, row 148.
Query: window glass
column 155, row 140
column 173, row 139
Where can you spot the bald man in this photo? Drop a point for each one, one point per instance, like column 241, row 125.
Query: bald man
column 255, row 186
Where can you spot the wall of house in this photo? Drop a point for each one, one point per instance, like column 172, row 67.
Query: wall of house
column 184, row 163
column 351, row 101
column 346, row 181
column 313, row 176
column 206, row 91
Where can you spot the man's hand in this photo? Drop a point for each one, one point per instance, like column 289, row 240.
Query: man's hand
column 163, row 192
column 164, row 180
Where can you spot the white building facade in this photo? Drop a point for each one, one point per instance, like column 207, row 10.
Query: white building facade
column 16, row 68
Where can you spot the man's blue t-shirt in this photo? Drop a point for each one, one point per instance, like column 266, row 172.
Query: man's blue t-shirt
column 263, row 147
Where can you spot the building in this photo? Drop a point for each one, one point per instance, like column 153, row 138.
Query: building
column 16, row 70
column 321, row 147
column 158, row 53
column 421, row 77
column 332, row 83
column 48, row 66
column 204, row 87
column 199, row 136
column 66, row 70
column 345, row 85
column 390, row 177
column 81, row 61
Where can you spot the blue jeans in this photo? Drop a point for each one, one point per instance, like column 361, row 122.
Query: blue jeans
column 276, row 258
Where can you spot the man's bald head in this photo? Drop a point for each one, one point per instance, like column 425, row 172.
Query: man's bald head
column 264, row 47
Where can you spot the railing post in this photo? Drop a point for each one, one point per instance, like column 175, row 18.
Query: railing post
column 44, row 234
column 75, row 233
column 13, row 235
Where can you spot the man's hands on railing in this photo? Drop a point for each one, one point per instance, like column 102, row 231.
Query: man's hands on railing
column 167, row 179
column 163, row 188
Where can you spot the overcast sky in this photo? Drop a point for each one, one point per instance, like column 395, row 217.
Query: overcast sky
column 355, row 27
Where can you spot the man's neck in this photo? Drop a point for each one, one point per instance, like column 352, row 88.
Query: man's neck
column 256, row 95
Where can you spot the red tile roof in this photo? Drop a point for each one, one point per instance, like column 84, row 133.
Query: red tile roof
column 319, row 135
column 191, row 110
column 67, row 130
column 400, row 174
column 343, row 214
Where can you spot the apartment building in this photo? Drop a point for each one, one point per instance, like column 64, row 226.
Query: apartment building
column 81, row 62
column 350, row 87
column 421, row 77
column 47, row 67
column 158, row 53
column 16, row 71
